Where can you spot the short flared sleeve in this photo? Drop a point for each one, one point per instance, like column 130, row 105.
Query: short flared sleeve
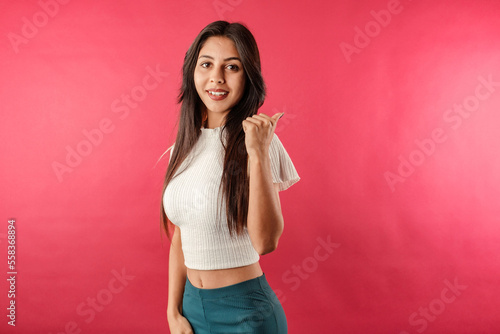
column 282, row 168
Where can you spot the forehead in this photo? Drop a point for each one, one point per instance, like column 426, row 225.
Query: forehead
column 219, row 47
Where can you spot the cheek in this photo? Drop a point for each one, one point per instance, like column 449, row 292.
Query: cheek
column 198, row 80
column 240, row 84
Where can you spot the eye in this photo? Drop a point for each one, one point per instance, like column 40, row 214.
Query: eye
column 233, row 67
column 205, row 65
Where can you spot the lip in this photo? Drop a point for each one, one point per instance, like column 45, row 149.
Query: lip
column 217, row 98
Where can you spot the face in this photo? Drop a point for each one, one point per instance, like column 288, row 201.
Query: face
column 219, row 76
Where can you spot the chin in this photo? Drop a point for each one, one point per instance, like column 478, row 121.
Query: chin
column 219, row 109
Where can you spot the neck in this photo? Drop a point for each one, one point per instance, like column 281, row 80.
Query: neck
column 213, row 120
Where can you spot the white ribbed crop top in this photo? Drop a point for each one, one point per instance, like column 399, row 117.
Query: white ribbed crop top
column 190, row 202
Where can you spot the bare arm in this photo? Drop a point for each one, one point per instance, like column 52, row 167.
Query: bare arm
column 176, row 278
column 265, row 220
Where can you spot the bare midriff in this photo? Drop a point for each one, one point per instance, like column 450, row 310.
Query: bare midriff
column 212, row 279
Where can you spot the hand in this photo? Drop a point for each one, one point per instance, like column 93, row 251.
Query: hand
column 179, row 325
column 259, row 131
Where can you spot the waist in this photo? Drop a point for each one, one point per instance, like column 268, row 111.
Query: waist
column 213, row 279
column 238, row 289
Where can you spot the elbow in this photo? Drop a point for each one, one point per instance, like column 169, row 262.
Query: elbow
column 267, row 248
column 268, row 245
column 266, row 242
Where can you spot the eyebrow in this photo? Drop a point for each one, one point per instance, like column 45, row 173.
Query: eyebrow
column 227, row 59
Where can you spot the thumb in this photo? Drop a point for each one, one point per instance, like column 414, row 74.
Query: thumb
column 277, row 116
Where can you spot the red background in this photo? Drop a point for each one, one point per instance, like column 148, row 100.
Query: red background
column 349, row 119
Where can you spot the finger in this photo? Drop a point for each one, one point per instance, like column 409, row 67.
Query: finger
column 263, row 115
column 277, row 116
column 253, row 120
column 275, row 119
column 265, row 119
column 247, row 123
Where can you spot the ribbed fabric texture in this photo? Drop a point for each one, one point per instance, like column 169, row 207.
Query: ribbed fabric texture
column 191, row 201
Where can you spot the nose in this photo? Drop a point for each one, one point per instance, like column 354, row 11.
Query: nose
column 217, row 76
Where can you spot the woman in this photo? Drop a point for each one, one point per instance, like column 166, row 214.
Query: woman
column 221, row 191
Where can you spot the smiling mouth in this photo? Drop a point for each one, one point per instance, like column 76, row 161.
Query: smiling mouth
column 217, row 93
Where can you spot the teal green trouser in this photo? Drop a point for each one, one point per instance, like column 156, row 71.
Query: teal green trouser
column 247, row 307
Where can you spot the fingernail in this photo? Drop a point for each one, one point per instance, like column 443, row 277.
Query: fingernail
column 283, row 114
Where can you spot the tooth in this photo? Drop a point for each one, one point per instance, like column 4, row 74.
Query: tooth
column 218, row 93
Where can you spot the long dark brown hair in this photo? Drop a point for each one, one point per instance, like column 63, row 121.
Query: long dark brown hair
column 235, row 181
